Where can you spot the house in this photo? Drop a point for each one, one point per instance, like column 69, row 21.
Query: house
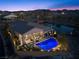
column 11, row 16
column 22, row 29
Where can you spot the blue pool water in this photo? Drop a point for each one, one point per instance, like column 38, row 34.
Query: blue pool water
column 47, row 44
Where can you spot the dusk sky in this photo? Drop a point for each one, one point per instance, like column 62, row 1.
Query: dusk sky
column 14, row 5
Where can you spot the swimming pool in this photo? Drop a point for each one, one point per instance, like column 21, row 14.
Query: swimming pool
column 47, row 44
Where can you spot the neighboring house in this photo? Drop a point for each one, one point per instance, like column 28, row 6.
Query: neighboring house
column 11, row 16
